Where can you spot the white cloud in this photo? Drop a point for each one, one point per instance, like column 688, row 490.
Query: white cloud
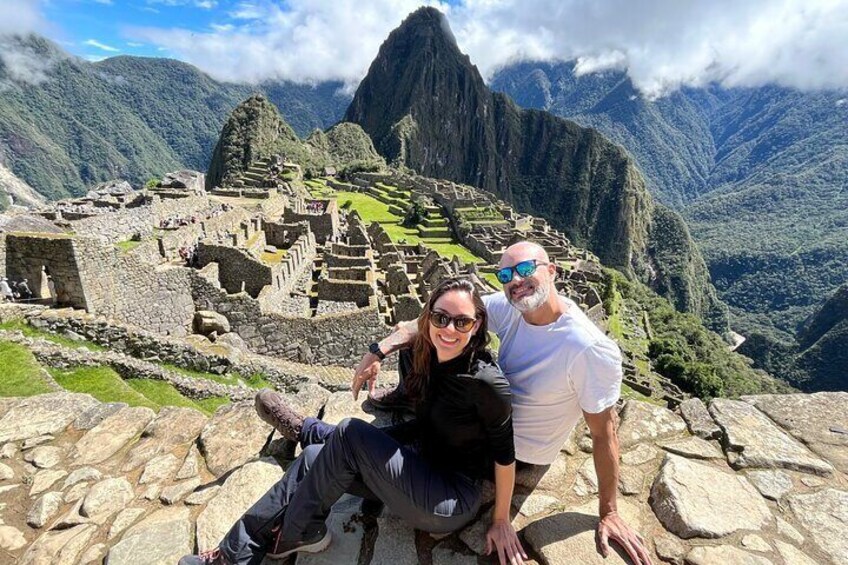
column 665, row 44
column 206, row 4
column 134, row 44
column 102, row 46
column 21, row 60
column 303, row 40
column 106, row 2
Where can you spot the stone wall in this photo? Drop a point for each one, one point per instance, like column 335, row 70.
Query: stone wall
column 360, row 292
column 334, row 261
column 333, row 339
column 282, row 235
column 324, row 226
column 118, row 286
column 352, row 274
column 27, row 257
column 124, row 223
column 237, row 271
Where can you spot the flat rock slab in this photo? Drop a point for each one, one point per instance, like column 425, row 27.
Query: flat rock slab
column 175, row 493
column 106, row 498
column 723, row 555
column 698, row 500
column 395, row 543
column 445, row 556
column 693, row 447
column 793, row 556
column 825, row 515
column 641, row 422
column 346, row 528
column 639, row 455
column 44, row 456
column 309, row 400
column 173, row 428
column 240, row 491
column 159, row 469
column 569, row 537
column 341, row 405
column 11, row 539
column 191, row 464
column 82, row 475
column 110, row 436
column 752, row 440
column 44, row 509
column 771, row 484
column 59, row 547
column 698, row 419
column 234, row 435
column 533, row 504
column 97, row 414
column 45, row 479
column 814, row 419
column 160, row 539
column 42, row 414
column 124, row 520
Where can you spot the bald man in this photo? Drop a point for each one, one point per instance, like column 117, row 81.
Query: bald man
column 560, row 367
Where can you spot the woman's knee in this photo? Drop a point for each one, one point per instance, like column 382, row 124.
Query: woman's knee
column 351, row 428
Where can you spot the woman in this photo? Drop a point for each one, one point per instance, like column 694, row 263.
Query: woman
column 428, row 471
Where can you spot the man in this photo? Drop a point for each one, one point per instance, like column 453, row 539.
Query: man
column 559, row 365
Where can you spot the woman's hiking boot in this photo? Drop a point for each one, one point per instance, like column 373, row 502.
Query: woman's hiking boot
column 273, row 408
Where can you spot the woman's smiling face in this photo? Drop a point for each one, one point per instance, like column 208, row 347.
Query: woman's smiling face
column 449, row 342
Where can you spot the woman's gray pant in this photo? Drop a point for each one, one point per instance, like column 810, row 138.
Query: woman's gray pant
column 359, row 459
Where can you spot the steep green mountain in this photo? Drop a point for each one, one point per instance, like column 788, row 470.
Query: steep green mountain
column 819, row 359
column 760, row 174
column 127, row 117
column 255, row 129
column 427, row 108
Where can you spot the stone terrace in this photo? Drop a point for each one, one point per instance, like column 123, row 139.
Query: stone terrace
column 760, row 481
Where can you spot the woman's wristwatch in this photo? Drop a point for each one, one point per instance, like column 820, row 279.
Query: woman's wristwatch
column 375, row 349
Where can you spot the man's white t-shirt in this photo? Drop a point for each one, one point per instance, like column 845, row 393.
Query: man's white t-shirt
column 555, row 373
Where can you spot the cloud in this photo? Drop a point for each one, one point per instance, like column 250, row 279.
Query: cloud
column 662, row 44
column 666, row 44
column 134, row 44
column 305, row 41
column 102, row 46
column 21, row 60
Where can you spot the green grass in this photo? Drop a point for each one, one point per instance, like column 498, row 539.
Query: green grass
column 232, row 379
column 126, row 246
column 164, row 394
column 29, row 331
column 372, row 210
column 21, row 373
column 103, row 383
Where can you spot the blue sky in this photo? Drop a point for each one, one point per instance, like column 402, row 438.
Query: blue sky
column 96, row 29
column 662, row 44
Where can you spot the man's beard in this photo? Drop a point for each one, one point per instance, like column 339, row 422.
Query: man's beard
column 533, row 301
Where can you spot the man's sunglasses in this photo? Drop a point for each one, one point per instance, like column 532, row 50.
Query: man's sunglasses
column 524, row 270
column 462, row 324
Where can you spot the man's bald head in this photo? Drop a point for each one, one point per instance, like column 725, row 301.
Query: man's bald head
column 522, row 251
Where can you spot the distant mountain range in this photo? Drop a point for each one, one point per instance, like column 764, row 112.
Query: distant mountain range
column 760, row 174
column 128, row 117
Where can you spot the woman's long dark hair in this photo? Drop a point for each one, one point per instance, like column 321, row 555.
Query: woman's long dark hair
column 422, row 347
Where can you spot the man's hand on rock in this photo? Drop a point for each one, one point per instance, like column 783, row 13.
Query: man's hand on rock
column 501, row 536
column 366, row 372
column 612, row 527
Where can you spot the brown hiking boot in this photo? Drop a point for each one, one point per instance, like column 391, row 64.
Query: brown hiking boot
column 273, row 409
column 391, row 399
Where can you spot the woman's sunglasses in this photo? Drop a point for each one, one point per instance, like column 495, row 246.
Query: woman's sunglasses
column 462, row 324
column 524, row 270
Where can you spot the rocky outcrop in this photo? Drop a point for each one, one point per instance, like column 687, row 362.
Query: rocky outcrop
column 180, row 485
column 427, row 108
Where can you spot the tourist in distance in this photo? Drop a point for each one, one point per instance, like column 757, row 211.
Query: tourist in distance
column 428, row 470
column 559, row 366
column 6, row 290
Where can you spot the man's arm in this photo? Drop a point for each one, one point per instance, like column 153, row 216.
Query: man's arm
column 605, row 454
column 369, row 367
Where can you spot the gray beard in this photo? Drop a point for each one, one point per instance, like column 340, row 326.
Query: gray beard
column 535, row 300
